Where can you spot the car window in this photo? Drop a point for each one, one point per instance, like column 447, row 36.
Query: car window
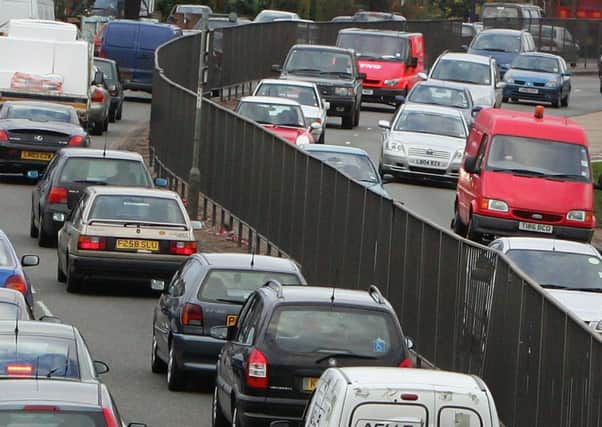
column 431, row 123
column 320, row 62
column 77, row 213
column 122, row 35
column 108, row 70
column 130, row 173
column 495, row 11
column 236, row 285
column 300, row 94
column 275, row 114
column 458, row 416
column 51, row 167
column 51, row 418
column 39, row 113
column 358, row 167
column 248, row 328
column 536, row 63
column 137, row 208
column 6, row 257
column 462, row 71
column 374, row 46
column 497, row 42
column 189, row 276
column 481, row 152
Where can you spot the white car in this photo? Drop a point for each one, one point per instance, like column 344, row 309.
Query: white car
column 571, row 272
column 375, row 396
column 305, row 93
column 424, row 141
column 478, row 73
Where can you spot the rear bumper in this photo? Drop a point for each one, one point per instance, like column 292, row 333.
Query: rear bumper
column 11, row 161
column 382, row 96
column 260, row 411
column 399, row 166
column 197, row 353
column 133, row 85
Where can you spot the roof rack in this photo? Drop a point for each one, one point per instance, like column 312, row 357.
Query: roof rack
column 276, row 285
column 376, row 294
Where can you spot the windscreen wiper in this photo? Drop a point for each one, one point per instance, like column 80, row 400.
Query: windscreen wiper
column 564, row 175
column 553, row 286
column 346, row 355
column 90, row 181
column 303, row 70
column 336, row 73
column 518, row 171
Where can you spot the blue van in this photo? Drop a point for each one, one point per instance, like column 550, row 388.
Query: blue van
column 132, row 45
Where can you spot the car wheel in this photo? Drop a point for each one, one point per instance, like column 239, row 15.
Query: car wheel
column 60, row 275
column 74, row 283
column 119, row 112
column 158, row 366
column 95, row 128
column 112, row 117
column 44, row 239
column 175, row 381
column 471, row 234
column 556, row 102
column 347, row 122
column 33, row 230
column 217, row 416
column 356, row 119
column 457, row 224
column 504, row 99
column 565, row 101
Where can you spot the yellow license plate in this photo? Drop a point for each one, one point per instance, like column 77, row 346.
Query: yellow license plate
column 145, row 245
column 36, row 155
column 309, row 383
column 231, row 319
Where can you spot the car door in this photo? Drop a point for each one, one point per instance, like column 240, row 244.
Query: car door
column 39, row 192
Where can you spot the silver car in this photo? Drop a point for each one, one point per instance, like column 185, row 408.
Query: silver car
column 424, row 141
column 100, row 105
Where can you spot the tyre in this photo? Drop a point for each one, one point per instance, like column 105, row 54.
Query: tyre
column 74, row 283
column 217, row 416
column 119, row 112
column 565, row 101
column 347, row 122
column 471, row 234
column 322, row 136
column 60, row 275
column 44, row 239
column 556, row 102
column 356, row 117
column 112, row 116
column 457, row 225
column 95, row 128
column 33, row 230
column 175, row 380
column 158, row 366
column 504, row 99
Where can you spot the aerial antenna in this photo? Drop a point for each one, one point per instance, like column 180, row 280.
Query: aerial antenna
column 332, row 296
column 104, row 150
column 253, row 253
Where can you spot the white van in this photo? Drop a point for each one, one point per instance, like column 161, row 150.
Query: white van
column 19, row 9
column 393, row 397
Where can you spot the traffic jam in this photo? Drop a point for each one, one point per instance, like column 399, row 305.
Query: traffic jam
column 276, row 350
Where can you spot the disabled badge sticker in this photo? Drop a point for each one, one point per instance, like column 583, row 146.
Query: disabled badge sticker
column 380, row 346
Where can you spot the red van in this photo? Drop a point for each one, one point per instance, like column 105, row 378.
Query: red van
column 525, row 174
column 391, row 61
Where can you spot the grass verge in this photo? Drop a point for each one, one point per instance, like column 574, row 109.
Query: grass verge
column 597, row 171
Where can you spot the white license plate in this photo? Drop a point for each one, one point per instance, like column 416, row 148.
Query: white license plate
column 537, row 228
column 427, row 162
column 367, row 92
column 528, row 90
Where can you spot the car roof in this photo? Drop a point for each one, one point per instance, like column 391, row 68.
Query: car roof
column 11, row 295
column 240, row 261
column 501, row 31
column 288, row 82
column 270, row 100
column 548, row 245
column 390, row 33
column 444, row 84
column 41, row 104
column 541, row 54
column 524, row 124
column 146, row 23
column 322, row 47
column 277, row 12
column 127, row 191
column 24, row 391
column 420, row 378
column 318, row 295
column 334, row 149
column 469, row 57
column 37, row 328
column 98, row 153
column 428, row 108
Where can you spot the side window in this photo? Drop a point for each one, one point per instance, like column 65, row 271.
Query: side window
column 481, row 152
column 177, row 285
column 191, row 274
column 248, row 327
column 79, row 210
column 50, row 168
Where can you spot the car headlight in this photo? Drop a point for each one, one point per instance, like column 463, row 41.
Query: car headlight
column 343, row 91
column 577, row 215
column 494, row 205
column 552, row 83
column 393, row 145
column 458, row 156
column 302, row 139
column 392, row 82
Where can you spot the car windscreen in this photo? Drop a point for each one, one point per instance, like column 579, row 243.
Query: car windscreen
column 499, row 12
column 320, row 62
column 331, row 329
column 6, row 256
column 26, row 356
column 433, row 123
column 108, row 71
column 374, row 46
column 570, row 270
column 272, row 114
column 462, row 71
column 136, row 209
column 126, row 173
column 497, row 42
column 439, row 95
column 301, row 94
column 539, row 157
column 536, row 63
column 39, row 113
column 52, row 418
column 356, row 166
column 236, row 285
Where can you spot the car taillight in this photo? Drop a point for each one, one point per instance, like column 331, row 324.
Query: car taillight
column 41, row 408
column 192, row 315
column 20, row 370
column 406, row 363
column 102, row 53
column 110, row 418
column 3, row 135
column 58, row 195
column 98, row 96
column 257, row 370
column 76, row 141
column 182, row 248
column 91, row 243
column 16, row 282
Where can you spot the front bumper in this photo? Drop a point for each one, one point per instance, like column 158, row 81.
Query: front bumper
column 340, row 106
column 197, row 353
column 396, row 164
column 382, row 95
column 260, row 410
column 543, row 93
column 509, row 227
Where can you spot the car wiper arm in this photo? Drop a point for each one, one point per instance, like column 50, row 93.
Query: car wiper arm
column 346, row 355
column 518, row 171
column 552, row 286
column 303, row 70
column 90, row 181
column 336, row 73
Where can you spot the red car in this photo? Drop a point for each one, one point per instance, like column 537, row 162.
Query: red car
column 281, row 116
column 525, row 174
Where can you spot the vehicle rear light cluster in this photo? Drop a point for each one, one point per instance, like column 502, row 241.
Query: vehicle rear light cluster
column 182, row 248
column 76, row 141
column 3, row 135
column 257, row 370
column 16, row 282
column 92, row 243
column 41, row 408
column 98, row 96
column 58, row 195
column 110, row 418
column 102, row 53
column 406, row 363
column 19, row 370
column 192, row 315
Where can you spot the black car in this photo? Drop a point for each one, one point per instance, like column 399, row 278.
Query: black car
column 70, row 172
column 208, row 290
column 110, row 70
column 286, row 336
column 54, row 402
column 600, row 71
column 31, row 132
column 334, row 70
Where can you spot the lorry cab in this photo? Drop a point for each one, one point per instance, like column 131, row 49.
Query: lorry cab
column 525, row 174
column 391, row 61
column 377, row 397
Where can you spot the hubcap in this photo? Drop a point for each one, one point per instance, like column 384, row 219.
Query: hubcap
column 154, row 352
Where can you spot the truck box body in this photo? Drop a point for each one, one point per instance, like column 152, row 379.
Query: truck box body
column 18, row 9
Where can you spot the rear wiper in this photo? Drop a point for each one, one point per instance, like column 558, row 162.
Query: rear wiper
column 303, row 70
column 231, row 301
column 90, row 181
column 346, row 355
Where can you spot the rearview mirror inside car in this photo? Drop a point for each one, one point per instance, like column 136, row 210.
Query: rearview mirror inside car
column 30, row 260
column 32, row 174
column 161, row 182
column 277, row 68
column 470, row 164
column 219, row 332
column 100, row 367
column 157, row 285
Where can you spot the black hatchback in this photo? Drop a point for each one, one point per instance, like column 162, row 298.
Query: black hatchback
column 286, row 336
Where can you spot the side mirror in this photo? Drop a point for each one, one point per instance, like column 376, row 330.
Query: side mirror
column 400, row 99
column 475, row 111
column 98, row 78
column 161, row 182
column 196, row 225
column 361, row 76
column 33, row 174
column 315, row 126
column 385, row 124
column 100, row 367
column 412, row 62
column 465, row 47
column 388, row 178
column 219, row 332
column 280, row 423
column 326, row 105
column 277, row 68
column 30, row 260
column 157, row 285
column 410, row 343
column 500, row 85
column 422, row 76
column 50, row 319
column 470, row 164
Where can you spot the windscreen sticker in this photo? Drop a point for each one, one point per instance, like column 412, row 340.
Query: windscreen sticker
column 584, row 163
column 593, row 260
column 461, row 419
column 600, row 274
column 380, row 346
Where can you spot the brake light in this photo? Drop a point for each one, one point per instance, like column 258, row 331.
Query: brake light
column 17, row 283
column 596, row 14
column 76, row 141
column 58, row 195
column 581, row 14
column 182, row 248
column 257, row 370
column 409, row 396
column 192, row 315
column 3, row 135
column 48, row 408
column 19, row 370
column 98, row 96
column 92, row 243
column 406, row 363
column 110, row 418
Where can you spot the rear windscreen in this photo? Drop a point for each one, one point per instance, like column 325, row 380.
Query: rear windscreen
column 10, row 311
column 392, row 414
column 127, row 173
column 54, row 418
column 137, row 208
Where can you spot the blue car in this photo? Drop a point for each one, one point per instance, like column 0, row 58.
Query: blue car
column 538, row 77
column 354, row 162
column 502, row 45
column 12, row 275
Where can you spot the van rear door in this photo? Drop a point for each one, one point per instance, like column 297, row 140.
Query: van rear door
column 119, row 44
column 151, row 37
column 395, row 414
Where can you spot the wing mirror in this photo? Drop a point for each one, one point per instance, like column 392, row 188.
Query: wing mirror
column 30, row 260
column 400, row 99
column 100, row 367
column 315, row 126
column 412, row 62
column 387, row 178
column 470, row 164
column 326, row 105
column 385, row 124
column 157, row 285
column 465, row 47
column 410, row 343
column 422, row 76
column 500, row 85
column 277, row 68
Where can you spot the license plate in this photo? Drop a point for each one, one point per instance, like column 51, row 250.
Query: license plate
column 309, row 383
column 36, row 155
column 367, row 92
column 427, row 162
column 145, row 245
column 537, row 228
column 528, row 90
column 231, row 319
